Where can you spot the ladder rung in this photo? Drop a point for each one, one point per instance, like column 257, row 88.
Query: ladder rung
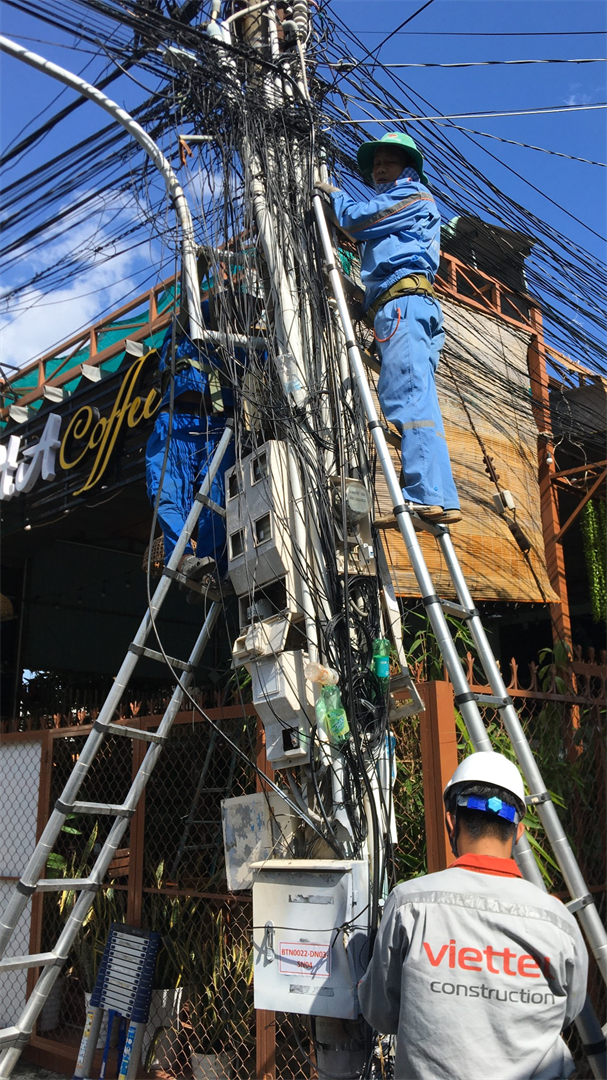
column 152, row 654
column 482, row 699
column 580, row 902
column 134, row 733
column 43, row 959
column 117, row 810
column 458, row 609
column 11, row 1036
column 215, row 507
column 492, row 699
column 538, row 798
column 65, row 885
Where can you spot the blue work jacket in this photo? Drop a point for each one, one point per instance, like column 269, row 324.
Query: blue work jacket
column 399, row 234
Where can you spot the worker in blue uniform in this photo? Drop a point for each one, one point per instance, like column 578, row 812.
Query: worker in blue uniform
column 202, row 402
column 399, row 234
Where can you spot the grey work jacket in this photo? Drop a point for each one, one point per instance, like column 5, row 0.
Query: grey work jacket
column 476, row 971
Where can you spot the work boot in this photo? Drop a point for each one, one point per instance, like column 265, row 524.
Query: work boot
column 449, row 517
column 196, row 569
column 433, row 514
column 213, row 588
column 390, row 522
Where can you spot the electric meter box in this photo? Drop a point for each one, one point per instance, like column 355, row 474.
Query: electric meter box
column 310, row 935
column 284, row 700
column 258, row 518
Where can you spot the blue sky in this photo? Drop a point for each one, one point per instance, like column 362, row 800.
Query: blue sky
column 432, row 37
column 578, row 187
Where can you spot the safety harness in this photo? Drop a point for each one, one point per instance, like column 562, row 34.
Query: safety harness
column 213, row 398
column 417, row 284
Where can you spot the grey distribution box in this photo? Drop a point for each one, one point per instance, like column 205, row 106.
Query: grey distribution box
column 310, row 935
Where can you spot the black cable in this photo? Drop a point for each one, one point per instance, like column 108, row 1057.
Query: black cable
column 403, row 24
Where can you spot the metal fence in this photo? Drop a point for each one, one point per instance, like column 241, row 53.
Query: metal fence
column 170, row 876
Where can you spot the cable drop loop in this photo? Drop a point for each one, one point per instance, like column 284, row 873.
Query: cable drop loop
column 382, row 339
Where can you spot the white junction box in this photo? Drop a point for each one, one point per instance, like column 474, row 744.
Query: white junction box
column 258, row 518
column 310, row 935
column 255, row 827
column 284, row 700
column 262, row 638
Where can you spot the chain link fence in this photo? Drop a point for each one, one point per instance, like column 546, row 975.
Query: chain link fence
column 170, row 875
column 20, row 767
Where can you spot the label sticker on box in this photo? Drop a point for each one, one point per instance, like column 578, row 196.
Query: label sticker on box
column 304, row 958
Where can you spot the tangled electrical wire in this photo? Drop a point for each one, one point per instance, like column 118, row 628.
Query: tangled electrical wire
column 245, row 98
column 166, row 47
column 193, row 88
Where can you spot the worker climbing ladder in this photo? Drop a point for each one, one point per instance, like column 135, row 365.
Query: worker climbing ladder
column 468, row 702
column 12, row 1039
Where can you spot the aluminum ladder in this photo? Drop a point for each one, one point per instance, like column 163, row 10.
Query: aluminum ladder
column 14, row 1038
column 468, row 702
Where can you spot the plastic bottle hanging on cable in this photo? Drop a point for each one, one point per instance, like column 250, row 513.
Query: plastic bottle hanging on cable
column 290, row 375
column 319, row 673
column 331, row 716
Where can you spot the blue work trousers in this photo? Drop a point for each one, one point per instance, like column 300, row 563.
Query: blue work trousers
column 409, row 335
column 194, row 440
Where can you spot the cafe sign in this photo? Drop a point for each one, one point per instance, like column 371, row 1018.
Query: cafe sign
column 88, row 439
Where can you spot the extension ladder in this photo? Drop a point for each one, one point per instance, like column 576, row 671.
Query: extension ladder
column 122, row 991
column 14, row 1038
column 466, row 700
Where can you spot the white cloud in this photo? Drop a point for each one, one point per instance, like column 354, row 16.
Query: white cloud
column 37, row 319
column 574, row 97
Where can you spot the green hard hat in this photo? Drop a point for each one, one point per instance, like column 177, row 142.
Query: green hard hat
column 366, row 152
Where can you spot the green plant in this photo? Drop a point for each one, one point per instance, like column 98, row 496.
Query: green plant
column 239, row 687
column 56, row 864
column 108, row 907
column 177, row 919
column 221, row 976
column 409, row 810
column 423, row 653
column 593, row 524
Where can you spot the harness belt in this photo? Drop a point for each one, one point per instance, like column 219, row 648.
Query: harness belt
column 413, row 283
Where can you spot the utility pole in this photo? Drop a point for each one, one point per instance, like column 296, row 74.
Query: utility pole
column 305, row 356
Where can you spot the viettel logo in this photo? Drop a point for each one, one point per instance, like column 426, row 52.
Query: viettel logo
column 495, row 961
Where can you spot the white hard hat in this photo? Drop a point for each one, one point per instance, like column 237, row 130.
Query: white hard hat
column 487, row 767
